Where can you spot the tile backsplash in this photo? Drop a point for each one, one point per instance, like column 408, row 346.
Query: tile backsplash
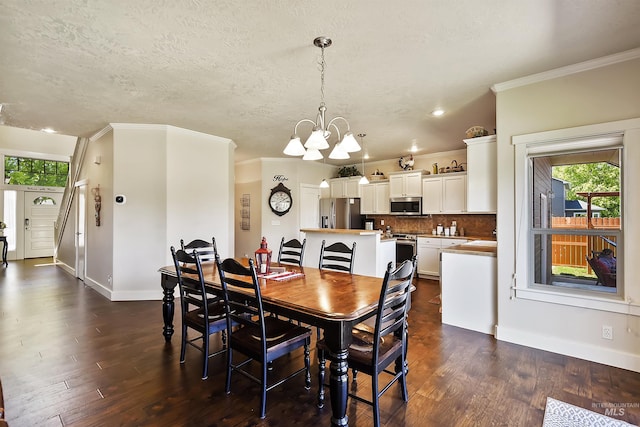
column 476, row 225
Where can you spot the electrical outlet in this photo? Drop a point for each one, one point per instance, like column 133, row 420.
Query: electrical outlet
column 382, row 222
column 607, row 332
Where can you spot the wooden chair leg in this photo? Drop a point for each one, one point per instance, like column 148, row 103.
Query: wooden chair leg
column 205, row 356
column 263, row 396
column 375, row 401
column 227, row 387
column 183, row 345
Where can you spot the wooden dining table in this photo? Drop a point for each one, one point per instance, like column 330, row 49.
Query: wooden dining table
column 333, row 301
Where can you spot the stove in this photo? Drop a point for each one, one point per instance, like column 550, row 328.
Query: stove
column 405, row 236
column 405, row 246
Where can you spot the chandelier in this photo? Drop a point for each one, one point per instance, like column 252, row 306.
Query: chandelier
column 322, row 130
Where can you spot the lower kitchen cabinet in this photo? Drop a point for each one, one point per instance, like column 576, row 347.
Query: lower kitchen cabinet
column 428, row 251
column 468, row 285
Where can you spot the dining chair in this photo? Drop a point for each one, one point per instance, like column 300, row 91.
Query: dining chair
column 372, row 352
column 205, row 249
column 337, row 256
column 201, row 308
column 260, row 338
column 292, row 251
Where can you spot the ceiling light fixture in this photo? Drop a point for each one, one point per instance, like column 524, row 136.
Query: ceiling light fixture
column 437, row 113
column 364, row 179
column 322, row 130
column 48, row 130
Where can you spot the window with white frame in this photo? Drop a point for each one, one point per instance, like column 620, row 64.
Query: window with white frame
column 556, row 252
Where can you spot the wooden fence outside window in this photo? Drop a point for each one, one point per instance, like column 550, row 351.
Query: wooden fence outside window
column 572, row 250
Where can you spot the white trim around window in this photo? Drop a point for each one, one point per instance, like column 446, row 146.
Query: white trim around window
column 591, row 137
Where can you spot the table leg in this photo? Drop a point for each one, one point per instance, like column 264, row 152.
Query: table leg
column 338, row 386
column 168, row 306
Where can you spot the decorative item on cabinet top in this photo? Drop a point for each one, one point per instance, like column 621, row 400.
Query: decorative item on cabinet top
column 347, row 171
column 452, row 168
column 406, row 164
column 377, row 176
column 476, row 131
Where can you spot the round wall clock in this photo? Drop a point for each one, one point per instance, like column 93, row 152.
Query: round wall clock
column 280, row 200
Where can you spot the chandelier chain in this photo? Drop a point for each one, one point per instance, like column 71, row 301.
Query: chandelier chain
column 323, row 65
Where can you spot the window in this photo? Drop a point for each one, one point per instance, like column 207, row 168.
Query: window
column 28, row 171
column 541, row 228
column 567, row 246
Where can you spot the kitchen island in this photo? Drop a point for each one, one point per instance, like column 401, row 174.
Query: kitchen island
column 373, row 252
column 468, row 282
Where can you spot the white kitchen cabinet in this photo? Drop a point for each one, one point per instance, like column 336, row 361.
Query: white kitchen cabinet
column 345, row 187
column 374, row 198
column 468, row 286
column 481, row 174
column 405, row 184
column 428, row 251
column 444, row 194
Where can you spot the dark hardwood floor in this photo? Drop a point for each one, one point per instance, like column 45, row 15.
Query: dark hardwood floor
column 70, row 357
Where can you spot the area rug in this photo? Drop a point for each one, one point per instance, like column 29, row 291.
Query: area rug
column 561, row 414
column 435, row 300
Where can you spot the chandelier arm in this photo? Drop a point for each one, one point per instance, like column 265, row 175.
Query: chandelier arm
column 339, row 118
column 331, row 124
column 295, row 130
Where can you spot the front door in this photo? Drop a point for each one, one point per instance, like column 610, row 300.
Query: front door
column 40, row 213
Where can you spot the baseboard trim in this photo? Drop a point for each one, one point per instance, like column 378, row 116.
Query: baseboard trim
column 606, row 356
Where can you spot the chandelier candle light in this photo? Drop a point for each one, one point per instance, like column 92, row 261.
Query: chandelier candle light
column 322, row 129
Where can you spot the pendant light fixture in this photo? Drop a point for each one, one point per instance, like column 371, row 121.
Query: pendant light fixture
column 363, row 180
column 322, row 130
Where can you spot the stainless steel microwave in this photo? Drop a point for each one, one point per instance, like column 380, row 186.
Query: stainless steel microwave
column 406, row 206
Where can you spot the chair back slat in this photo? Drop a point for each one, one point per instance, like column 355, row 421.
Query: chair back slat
column 337, row 256
column 206, row 250
column 190, row 281
column 248, row 310
column 394, row 302
column 292, row 251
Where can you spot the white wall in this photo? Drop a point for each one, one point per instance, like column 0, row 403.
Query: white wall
column 200, row 192
column 178, row 184
column 27, row 141
column 595, row 96
column 258, row 177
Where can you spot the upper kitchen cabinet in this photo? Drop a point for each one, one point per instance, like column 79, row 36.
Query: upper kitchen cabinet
column 482, row 174
column 345, row 187
column 446, row 193
column 375, row 198
column 405, row 184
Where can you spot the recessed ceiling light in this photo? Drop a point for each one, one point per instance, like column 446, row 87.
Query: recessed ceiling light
column 437, row 113
column 48, row 130
column 414, row 149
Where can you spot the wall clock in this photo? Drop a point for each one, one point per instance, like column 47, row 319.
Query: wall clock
column 280, row 200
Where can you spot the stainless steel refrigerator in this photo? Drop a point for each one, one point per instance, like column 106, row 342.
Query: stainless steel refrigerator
column 341, row 213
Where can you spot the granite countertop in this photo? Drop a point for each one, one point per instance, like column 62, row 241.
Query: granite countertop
column 435, row 236
column 341, row 231
column 479, row 247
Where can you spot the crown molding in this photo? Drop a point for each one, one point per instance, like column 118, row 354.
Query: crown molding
column 568, row 70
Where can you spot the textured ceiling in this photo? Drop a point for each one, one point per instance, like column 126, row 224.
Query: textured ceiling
column 248, row 70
